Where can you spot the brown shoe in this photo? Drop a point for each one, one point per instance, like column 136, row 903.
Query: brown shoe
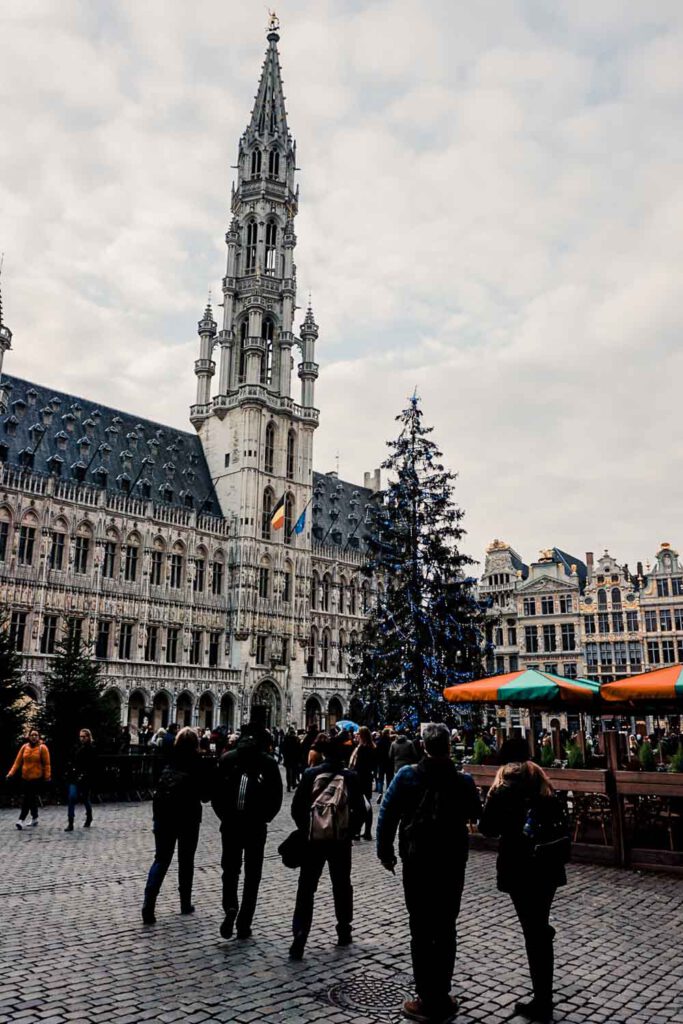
column 414, row 1009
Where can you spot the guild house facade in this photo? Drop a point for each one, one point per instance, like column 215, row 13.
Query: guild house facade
column 213, row 569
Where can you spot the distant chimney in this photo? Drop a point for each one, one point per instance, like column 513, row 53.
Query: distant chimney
column 589, row 559
column 372, row 481
column 639, row 568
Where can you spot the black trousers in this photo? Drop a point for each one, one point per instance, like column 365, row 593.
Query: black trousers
column 29, row 798
column 337, row 856
column 292, row 774
column 240, row 844
column 433, row 898
column 166, row 835
column 533, row 910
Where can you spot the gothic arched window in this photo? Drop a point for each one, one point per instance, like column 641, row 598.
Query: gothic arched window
column 325, row 651
column 271, row 247
column 273, row 164
column 291, row 444
column 342, row 594
column 289, row 517
column 269, row 449
column 256, row 163
column 252, row 232
column 267, row 513
column 242, row 375
column 267, row 333
column 314, row 590
column 325, row 593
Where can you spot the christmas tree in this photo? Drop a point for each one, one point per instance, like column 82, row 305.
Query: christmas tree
column 13, row 710
column 75, row 700
column 425, row 632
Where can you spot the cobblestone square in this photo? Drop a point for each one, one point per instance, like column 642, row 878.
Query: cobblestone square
column 73, row 948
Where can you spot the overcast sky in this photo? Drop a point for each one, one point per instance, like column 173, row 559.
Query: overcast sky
column 491, row 210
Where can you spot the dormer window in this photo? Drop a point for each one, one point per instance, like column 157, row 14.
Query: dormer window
column 19, row 407
column 55, row 465
column 166, row 494
column 124, row 483
column 188, row 500
column 4, row 451
column 89, row 425
column 100, row 476
column 55, row 403
column 84, row 443
column 78, row 471
column 132, row 439
column 62, row 440
column 26, row 456
column 69, row 421
column 46, row 414
column 32, row 395
column 11, row 424
column 145, row 488
column 106, row 452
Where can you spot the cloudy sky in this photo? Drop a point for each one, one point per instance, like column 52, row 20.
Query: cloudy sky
column 491, row 210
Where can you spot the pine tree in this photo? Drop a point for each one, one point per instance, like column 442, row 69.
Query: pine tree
column 426, row 631
column 74, row 700
column 13, row 708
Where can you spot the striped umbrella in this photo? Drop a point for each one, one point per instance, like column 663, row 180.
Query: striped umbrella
column 528, row 687
column 664, row 685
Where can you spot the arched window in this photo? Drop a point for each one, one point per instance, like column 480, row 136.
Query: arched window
column 273, row 164
column 250, row 261
column 313, row 652
column 352, row 598
column 267, row 360
column 616, row 596
column 267, row 513
column 264, row 579
column 27, row 540
column 82, row 547
column 315, row 583
column 325, row 651
column 177, row 564
column 325, row 592
column 342, row 594
column 256, row 163
column 130, row 570
column 242, row 374
column 602, row 598
column 291, row 446
column 271, row 247
column 288, row 584
column 58, row 546
column 289, row 517
column 5, row 526
column 365, row 590
column 342, row 651
column 269, row 449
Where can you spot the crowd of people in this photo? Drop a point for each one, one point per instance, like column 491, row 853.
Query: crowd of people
column 426, row 803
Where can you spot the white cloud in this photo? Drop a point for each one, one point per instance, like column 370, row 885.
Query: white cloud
column 490, row 210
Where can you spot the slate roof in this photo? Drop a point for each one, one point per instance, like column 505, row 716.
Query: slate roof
column 567, row 561
column 52, row 432
column 339, row 512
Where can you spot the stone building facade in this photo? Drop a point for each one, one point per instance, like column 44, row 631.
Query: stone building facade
column 588, row 618
column 159, row 547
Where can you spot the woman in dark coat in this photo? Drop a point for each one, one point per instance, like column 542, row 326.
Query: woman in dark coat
column 183, row 784
column 521, row 797
column 364, row 763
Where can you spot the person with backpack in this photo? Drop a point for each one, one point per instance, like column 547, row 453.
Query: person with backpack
column 401, row 753
column 328, row 809
column 184, row 783
column 290, row 748
column 32, row 764
column 247, row 796
column 524, row 811
column 430, row 805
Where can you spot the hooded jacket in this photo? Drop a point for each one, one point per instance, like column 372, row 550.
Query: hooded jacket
column 248, row 786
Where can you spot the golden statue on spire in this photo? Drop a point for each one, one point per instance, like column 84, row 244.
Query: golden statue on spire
column 273, row 21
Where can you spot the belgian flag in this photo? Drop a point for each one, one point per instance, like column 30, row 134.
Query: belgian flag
column 277, row 519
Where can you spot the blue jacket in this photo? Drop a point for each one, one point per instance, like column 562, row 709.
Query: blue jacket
column 459, row 798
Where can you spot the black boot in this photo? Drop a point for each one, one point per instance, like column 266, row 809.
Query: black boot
column 148, row 916
column 296, row 950
column 70, row 826
column 88, row 821
column 534, row 1009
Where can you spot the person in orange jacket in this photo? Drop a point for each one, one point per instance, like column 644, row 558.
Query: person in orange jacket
column 33, row 765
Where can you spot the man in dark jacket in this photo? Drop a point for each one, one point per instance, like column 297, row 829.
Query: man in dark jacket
column 335, row 852
column 290, row 749
column 79, row 776
column 247, row 796
column 431, row 804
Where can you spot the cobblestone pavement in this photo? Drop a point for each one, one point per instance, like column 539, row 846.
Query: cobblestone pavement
column 72, row 946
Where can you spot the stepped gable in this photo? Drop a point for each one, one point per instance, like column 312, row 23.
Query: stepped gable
column 53, row 433
column 339, row 512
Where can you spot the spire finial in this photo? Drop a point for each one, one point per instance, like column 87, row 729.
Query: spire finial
column 208, row 312
column 273, row 24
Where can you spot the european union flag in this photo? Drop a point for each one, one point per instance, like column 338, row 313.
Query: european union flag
column 300, row 523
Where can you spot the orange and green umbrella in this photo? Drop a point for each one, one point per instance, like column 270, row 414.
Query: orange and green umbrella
column 663, row 685
column 528, row 686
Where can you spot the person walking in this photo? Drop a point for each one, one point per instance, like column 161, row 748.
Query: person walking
column 401, row 753
column 32, row 764
column 383, row 770
column 80, row 775
column 364, row 762
column 430, row 805
column 328, row 809
column 524, row 811
column 247, row 796
column 177, row 807
column 291, row 755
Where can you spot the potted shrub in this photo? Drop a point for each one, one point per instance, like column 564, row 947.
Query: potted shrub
column 646, row 757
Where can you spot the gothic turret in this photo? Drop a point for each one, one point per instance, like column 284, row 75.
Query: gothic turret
column 5, row 344
column 308, row 368
column 204, row 367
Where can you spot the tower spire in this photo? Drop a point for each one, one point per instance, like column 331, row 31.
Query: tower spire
column 5, row 341
column 269, row 117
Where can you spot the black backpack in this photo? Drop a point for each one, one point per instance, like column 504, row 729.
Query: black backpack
column 434, row 812
column 546, row 829
column 172, row 785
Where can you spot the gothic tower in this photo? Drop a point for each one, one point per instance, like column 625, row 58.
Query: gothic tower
column 257, row 438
